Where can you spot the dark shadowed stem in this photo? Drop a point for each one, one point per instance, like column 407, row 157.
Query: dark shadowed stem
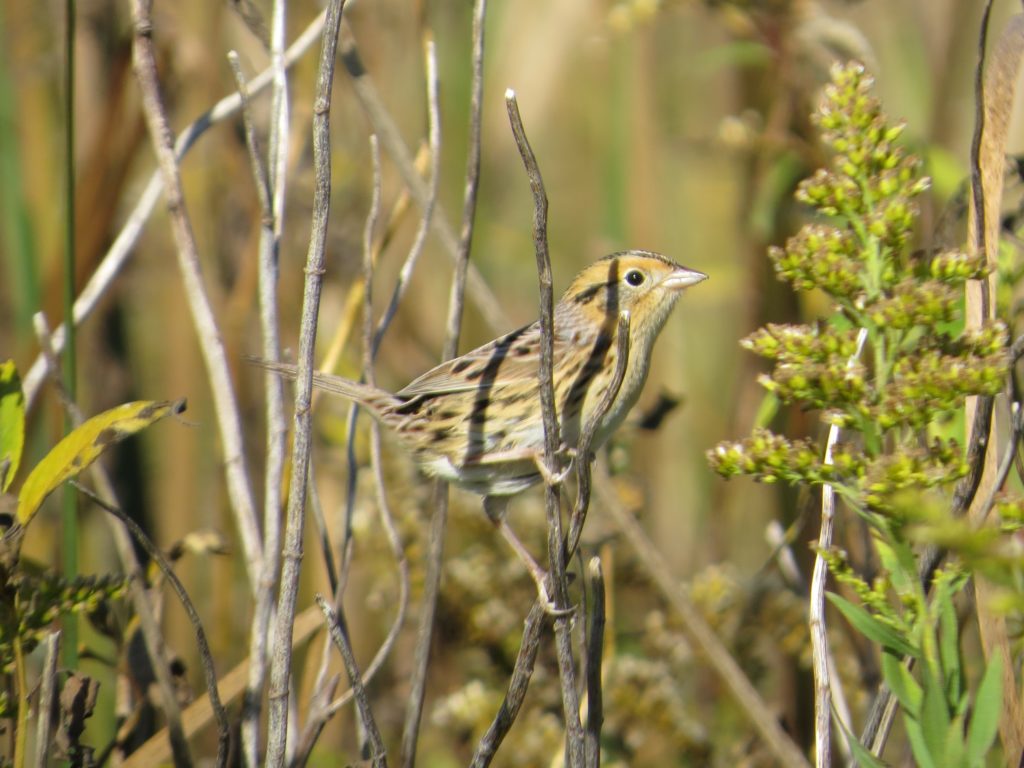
column 277, row 430
column 517, row 688
column 391, row 140
column 243, row 505
column 47, row 689
column 594, row 653
column 117, row 255
column 703, row 636
column 205, row 656
column 883, row 710
column 583, row 464
column 280, row 670
column 339, row 636
column 151, row 636
column 552, row 440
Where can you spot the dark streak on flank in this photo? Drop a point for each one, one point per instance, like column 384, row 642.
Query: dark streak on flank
column 461, row 365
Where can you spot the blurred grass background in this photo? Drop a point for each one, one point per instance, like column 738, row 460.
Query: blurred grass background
column 677, row 126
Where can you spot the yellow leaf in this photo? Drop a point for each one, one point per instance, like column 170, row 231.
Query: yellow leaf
column 12, row 423
column 84, row 445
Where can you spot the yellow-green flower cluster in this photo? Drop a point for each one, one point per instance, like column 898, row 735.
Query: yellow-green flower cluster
column 769, row 458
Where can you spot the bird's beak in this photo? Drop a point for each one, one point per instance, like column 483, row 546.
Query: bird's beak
column 683, row 278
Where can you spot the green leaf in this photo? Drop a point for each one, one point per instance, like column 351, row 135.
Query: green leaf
column 988, row 706
column 898, row 560
column 902, row 684
column 949, row 645
column 12, row 423
column 934, row 713
column 873, row 629
column 954, row 751
column 918, row 745
column 862, row 754
column 84, row 445
column 766, row 410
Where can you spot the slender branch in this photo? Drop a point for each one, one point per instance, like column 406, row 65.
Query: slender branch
column 432, row 585
column 517, row 687
column 280, row 670
column 117, row 256
column 205, row 655
column 556, row 554
column 339, row 636
column 277, row 430
column 226, row 406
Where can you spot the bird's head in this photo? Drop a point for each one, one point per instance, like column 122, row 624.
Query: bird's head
column 645, row 284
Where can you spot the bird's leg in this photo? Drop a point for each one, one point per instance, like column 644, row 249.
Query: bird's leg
column 554, row 478
column 495, row 507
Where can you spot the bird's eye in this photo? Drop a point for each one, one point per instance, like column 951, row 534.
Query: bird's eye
column 635, row 277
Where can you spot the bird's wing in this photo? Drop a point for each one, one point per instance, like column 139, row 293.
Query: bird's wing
column 511, row 358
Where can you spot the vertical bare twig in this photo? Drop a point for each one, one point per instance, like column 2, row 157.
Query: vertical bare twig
column 205, row 323
column 280, row 670
column 439, row 499
column 556, row 553
column 816, row 613
column 277, row 432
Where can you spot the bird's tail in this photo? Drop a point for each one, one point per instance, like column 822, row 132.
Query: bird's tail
column 336, row 385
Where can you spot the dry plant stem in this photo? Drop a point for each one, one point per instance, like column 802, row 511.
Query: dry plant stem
column 556, row 554
column 339, row 636
column 594, row 648
column 391, row 139
column 434, row 143
column 47, row 689
column 439, row 520
column 116, row 257
column 140, row 598
column 583, row 464
column 277, row 430
column 410, row 730
column 722, row 663
column 280, row 670
column 205, row 656
column 472, row 187
column 239, row 491
column 517, row 687
column 819, row 634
